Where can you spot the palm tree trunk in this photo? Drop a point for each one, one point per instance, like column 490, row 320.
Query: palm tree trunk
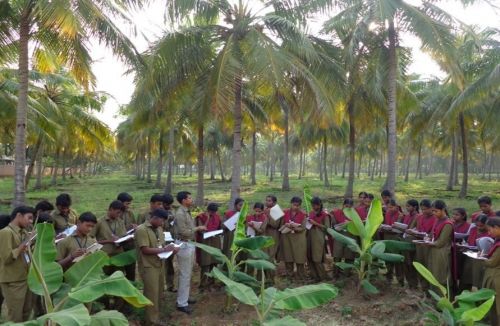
column 320, row 166
column 324, row 161
column 304, row 164
column 254, row 158
column 453, row 156
column 212, row 167
column 352, row 152
column 344, row 165
column 285, row 186
column 160, row 162
column 407, row 169
column 390, row 183
column 53, row 181
column 149, row 179
column 39, row 169
column 360, row 163
column 170, row 171
column 374, row 168
column 465, row 157
column 490, row 166
column 300, row 162
column 418, row 173
column 236, row 157
column 64, row 155
column 36, row 152
column 22, row 111
column 200, row 196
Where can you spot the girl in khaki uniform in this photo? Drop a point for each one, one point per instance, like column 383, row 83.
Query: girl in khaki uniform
column 320, row 220
column 293, row 238
column 491, row 277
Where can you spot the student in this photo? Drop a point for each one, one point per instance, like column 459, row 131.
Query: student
column 257, row 217
column 340, row 250
column 386, row 196
column 108, row 229
column 43, row 206
column 64, row 216
column 155, row 202
column 460, row 225
column 76, row 244
column 4, row 221
column 229, row 235
column 185, row 230
column 320, row 220
column 410, row 218
column 130, row 222
column 440, row 253
column 168, row 200
column 212, row 222
column 485, row 207
column 362, row 208
column 491, row 277
column 480, row 231
column 294, row 242
column 150, row 241
column 272, row 227
column 14, row 265
column 393, row 214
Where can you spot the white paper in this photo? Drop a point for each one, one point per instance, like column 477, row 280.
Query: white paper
column 210, row 234
column 276, row 212
column 250, row 232
column 168, row 237
column 69, row 231
column 460, row 235
column 308, row 225
column 93, row 248
column 400, row 226
column 125, row 238
column 231, row 222
column 165, row 255
column 130, row 231
column 484, row 243
column 474, row 255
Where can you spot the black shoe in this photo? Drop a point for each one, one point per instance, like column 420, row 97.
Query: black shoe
column 186, row 310
column 191, row 301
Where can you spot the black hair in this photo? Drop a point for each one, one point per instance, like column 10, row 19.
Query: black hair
column 413, row 203
column 159, row 212
column 484, row 200
column 258, row 205
column 363, row 193
column 4, row 220
column 386, row 193
column 168, row 199
column 124, row 197
column 296, row 200
column 63, row 200
column 493, row 221
column 273, row 198
column 43, row 218
column 371, row 196
column 483, row 218
column 44, row 206
column 461, row 211
column 348, row 201
column 392, row 202
column 116, row 204
column 156, row 198
column 237, row 201
column 181, row 195
column 439, row 204
column 87, row 217
column 317, row 201
column 425, row 203
column 213, row 207
column 23, row 210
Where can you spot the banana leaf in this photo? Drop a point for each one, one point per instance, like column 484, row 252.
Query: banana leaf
column 124, row 258
column 74, row 316
column 305, row 297
column 374, row 219
column 108, row 318
column 87, row 269
column 478, row 313
column 307, row 198
column 255, row 243
column 378, row 251
column 214, row 252
column 349, row 242
column 260, row 264
column 481, row 295
column 344, row 266
column 395, row 246
column 240, row 232
column 258, row 254
column 240, row 291
column 285, row 321
column 429, row 277
column 115, row 285
column 43, row 267
column 368, row 287
column 356, row 226
column 246, row 279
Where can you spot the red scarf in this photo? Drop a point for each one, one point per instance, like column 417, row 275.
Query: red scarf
column 462, row 228
column 495, row 246
column 362, row 212
column 298, row 218
column 475, row 215
column 474, row 235
column 425, row 223
column 391, row 217
column 438, row 227
column 318, row 219
column 408, row 219
column 339, row 216
column 214, row 223
column 256, row 218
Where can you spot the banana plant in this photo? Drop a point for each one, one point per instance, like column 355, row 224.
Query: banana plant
column 371, row 253
column 270, row 302
column 66, row 293
column 464, row 310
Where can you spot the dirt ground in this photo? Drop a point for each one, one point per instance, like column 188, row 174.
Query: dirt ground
column 394, row 305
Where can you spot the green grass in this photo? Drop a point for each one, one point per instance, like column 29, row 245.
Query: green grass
column 95, row 193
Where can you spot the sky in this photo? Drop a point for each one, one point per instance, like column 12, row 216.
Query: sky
column 149, row 25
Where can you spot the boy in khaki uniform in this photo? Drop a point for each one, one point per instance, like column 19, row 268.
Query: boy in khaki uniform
column 14, row 265
column 76, row 244
column 130, row 223
column 150, row 241
column 156, row 202
column 63, row 217
column 168, row 200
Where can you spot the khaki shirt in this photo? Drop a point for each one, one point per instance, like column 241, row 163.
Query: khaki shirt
column 61, row 223
column 169, row 222
column 105, row 229
column 147, row 236
column 144, row 217
column 13, row 265
column 184, row 224
column 128, row 218
column 72, row 243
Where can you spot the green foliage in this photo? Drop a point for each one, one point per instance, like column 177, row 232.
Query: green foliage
column 239, row 233
column 464, row 310
column 124, row 258
column 307, row 198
